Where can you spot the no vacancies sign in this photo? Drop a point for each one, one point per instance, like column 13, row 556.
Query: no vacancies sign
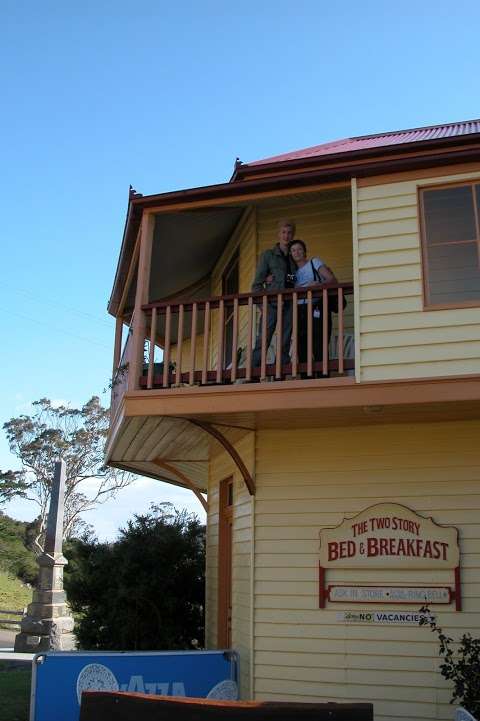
column 399, row 618
column 389, row 535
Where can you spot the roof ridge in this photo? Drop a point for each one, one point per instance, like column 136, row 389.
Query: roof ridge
column 441, row 131
column 412, row 130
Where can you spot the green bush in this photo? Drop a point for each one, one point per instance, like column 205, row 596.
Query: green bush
column 16, row 558
column 143, row 592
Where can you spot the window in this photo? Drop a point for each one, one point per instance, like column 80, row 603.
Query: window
column 450, row 244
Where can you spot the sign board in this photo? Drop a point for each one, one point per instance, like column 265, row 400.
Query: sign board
column 59, row 678
column 389, row 594
column 395, row 618
column 389, row 535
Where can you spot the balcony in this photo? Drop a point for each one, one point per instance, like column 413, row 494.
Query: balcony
column 212, row 341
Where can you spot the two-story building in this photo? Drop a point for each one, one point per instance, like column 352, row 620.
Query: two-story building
column 320, row 477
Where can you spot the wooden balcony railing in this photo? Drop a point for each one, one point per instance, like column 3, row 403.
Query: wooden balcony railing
column 224, row 339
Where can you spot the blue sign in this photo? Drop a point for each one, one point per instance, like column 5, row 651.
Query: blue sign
column 59, row 678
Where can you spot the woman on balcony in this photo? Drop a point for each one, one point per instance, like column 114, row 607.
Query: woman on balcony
column 310, row 274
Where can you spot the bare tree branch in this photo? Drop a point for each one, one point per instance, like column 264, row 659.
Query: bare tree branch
column 78, row 435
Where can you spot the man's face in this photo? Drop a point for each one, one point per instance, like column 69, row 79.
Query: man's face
column 285, row 236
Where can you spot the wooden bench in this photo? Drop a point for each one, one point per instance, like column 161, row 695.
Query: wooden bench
column 124, row 706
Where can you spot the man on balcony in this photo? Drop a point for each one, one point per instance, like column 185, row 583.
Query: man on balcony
column 276, row 271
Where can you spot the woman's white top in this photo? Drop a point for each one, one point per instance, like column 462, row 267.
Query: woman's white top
column 304, row 276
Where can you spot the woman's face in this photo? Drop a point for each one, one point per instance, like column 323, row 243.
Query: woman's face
column 298, row 254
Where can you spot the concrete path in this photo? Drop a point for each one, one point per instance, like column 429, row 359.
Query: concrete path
column 15, row 658
column 7, row 640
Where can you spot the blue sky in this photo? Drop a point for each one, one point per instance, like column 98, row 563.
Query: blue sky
column 98, row 95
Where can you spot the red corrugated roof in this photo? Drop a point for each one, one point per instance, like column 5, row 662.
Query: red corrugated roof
column 347, row 145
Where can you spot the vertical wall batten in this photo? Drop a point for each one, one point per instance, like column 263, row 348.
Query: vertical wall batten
column 356, row 280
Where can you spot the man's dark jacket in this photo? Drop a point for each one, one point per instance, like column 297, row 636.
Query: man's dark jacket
column 272, row 262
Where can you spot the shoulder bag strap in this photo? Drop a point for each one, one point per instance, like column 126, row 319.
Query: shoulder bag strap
column 315, row 273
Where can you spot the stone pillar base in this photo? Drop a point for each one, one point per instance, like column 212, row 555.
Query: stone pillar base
column 48, row 625
column 47, row 635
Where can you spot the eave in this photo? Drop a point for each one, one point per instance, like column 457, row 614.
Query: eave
column 167, row 434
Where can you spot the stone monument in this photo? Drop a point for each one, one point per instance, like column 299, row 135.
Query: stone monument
column 48, row 624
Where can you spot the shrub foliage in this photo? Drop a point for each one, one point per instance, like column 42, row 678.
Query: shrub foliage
column 461, row 667
column 146, row 590
column 16, row 555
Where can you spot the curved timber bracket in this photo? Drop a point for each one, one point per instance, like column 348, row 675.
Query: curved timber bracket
column 234, row 455
column 182, row 477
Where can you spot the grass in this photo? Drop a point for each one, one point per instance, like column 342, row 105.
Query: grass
column 14, row 693
column 14, row 596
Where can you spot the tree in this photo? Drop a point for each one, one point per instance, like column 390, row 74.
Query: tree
column 78, row 435
column 12, row 484
column 146, row 590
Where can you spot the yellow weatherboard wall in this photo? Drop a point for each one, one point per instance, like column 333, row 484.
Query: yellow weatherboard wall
column 323, row 221
column 398, row 339
column 312, row 478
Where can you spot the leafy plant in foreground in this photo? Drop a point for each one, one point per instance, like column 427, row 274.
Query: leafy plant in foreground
column 461, row 667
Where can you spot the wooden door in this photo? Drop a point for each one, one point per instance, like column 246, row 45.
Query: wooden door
column 225, row 564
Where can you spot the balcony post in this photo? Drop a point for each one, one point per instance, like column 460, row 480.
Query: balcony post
column 141, row 298
column 117, row 348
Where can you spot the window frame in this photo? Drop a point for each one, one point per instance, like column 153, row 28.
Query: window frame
column 427, row 304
